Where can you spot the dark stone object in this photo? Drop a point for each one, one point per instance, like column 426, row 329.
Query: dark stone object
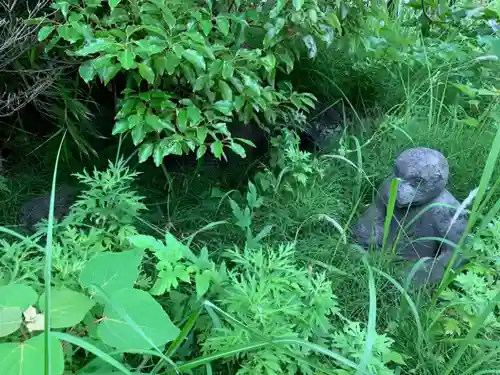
column 33, row 211
column 325, row 128
column 423, row 175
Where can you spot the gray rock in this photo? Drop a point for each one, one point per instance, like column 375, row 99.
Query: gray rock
column 424, row 208
column 325, row 128
column 33, row 211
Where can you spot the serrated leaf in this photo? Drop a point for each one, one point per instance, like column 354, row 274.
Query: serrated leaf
column 223, row 25
column 28, row 357
column 111, row 271
column 147, row 314
column 225, row 90
column 126, row 58
column 195, row 59
column 216, row 149
column 87, row 71
column 44, row 32
column 147, row 72
column 68, row 307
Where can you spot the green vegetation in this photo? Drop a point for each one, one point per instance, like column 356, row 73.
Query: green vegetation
column 195, row 248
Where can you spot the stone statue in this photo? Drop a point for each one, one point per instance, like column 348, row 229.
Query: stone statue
column 33, row 211
column 423, row 174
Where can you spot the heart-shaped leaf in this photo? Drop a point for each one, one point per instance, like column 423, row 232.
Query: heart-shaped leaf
column 68, row 307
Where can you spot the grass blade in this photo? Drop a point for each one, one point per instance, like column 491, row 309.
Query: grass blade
column 390, row 210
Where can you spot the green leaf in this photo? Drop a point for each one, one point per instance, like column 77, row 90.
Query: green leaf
column 168, row 17
column 297, row 4
column 44, row 32
column 112, row 271
column 17, row 295
column 201, row 151
column 113, row 3
column 126, row 58
column 223, row 25
column 145, row 151
column 140, row 307
column 194, row 114
column 194, row 58
column 206, row 26
column 144, row 242
column 182, row 119
column 238, row 149
column 28, row 357
column 120, row 127
column 224, row 106
column 147, row 72
column 138, row 134
column 225, row 90
column 201, row 134
column 68, row 307
column 98, row 45
column 172, row 61
column 269, row 62
column 158, row 124
column 227, row 70
column 87, row 71
column 216, row 149
column 108, row 72
column 10, row 320
column 202, row 280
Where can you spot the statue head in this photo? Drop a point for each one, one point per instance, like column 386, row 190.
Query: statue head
column 423, row 175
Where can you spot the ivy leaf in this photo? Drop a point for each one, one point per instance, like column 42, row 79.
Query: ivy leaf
column 139, row 307
column 195, row 58
column 216, row 149
column 147, row 72
column 223, row 25
column 68, row 307
column 225, row 90
column 112, row 271
column 145, row 151
column 87, row 71
column 44, row 32
column 126, row 58
column 28, row 357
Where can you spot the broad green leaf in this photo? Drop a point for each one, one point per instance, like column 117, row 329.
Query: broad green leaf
column 158, row 124
column 98, row 45
column 223, row 25
column 112, row 271
column 113, row 3
column 109, row 72
column 68, row 307
column 225, row 90
column 201, row 134
column 145, row 151
column 195, row 58
column 28, row 357
column 269, row 62
column 172, row 61
column 194, row 114
column 168, row 17
column 252, row 86
column 238, row 149
column 227, row 70
column 44, row 32
column 182, row 119
column 87, row 71
column 10, row 320
column 140, row 307
column 206, row 26
column 297, row 4
column 201, row 151
column 138, row 134
column 158, row 154
column 224, row 106
column 145, row 242
column 202, row 280
column 126, row 58
column 216, row 149
column 147, row 72
column 120, row 127
column 17, row 295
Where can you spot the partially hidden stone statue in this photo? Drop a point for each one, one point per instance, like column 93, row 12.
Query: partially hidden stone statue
column 423, row 175
column 33, row 211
